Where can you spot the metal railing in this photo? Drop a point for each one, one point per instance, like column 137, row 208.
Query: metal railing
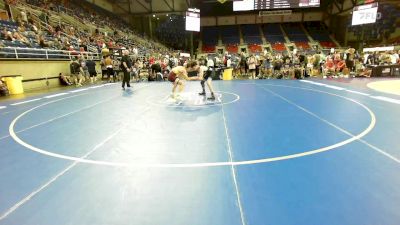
column 43, row 54
column 92, row 48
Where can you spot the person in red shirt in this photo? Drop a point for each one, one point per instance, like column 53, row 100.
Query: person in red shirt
column 151, row 61
column 340, row 66
column 329, row 69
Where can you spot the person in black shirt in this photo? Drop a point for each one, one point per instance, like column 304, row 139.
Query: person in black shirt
column 277, row 67
column 298, row 69
column 350, row 56
column 155, row 71
column 91, row 65
column 302, row 59
column 126, row 66
column 64, row 80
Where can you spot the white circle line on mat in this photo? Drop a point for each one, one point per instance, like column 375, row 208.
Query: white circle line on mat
column 205, row 164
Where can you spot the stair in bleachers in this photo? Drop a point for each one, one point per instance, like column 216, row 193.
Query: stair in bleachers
column 241, row 37
column 320, row 34
column 310, row 39
column 260, row 31
column 284, row 34
column 294, row 32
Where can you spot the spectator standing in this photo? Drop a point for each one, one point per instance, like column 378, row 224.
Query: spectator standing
column 117, row 68
column 109, row 65
column 103, row 67
column 252, row 66
column 350, row 59
column 156, row 70
column 228, row 61
column 75, row 68
column 91, row 65
column 394, row 57
column 85, row 70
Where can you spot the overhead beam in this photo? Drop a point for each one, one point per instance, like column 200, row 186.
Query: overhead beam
column 145, row 7
column 166, row 2
column 151, row 5
column 343, row 11
column 340, row 8
column 120, row 7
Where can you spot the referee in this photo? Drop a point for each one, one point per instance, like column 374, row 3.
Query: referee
column 126, row 66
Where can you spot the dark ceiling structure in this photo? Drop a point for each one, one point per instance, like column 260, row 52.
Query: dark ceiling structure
column 214, row 7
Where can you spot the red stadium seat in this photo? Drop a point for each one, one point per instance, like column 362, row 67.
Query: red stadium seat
column 232, row 48
column 327, row 44
column 208, row 49
column 280, row 47
column 302, row 45
column 254, row 48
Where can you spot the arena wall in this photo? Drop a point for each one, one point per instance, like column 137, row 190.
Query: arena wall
column 40, row 70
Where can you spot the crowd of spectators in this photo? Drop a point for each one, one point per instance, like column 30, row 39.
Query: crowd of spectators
column 300, row 64
column 153, row 61
column 38, row 30
column 153, row 68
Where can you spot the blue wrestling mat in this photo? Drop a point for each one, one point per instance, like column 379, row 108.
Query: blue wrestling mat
column 281, row 152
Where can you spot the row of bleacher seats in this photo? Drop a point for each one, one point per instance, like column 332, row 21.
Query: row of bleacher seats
column 28, row 33
column 229, row 35
column 295, row 32
column 210, row 35
column 8, row 24
column 276, row 34
column 272, row 33
column 99, row 18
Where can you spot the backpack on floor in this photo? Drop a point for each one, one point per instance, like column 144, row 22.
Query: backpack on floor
column 4, row 90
